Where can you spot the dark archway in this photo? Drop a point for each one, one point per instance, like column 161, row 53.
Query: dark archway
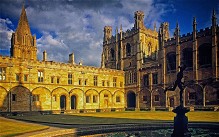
column 131, row 100
column 63, row 102
column 73, row 102
column 205, row 55
column 188, row 57
column 171, row 61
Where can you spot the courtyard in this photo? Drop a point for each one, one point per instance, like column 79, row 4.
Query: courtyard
column 85, row 120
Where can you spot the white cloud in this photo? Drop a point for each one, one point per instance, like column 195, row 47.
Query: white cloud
column 5, row 34
column 70, row 26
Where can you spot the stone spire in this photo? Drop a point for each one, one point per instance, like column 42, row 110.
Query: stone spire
column 23, row 27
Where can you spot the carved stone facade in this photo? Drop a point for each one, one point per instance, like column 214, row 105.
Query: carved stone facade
column 27, row 84
column 150, row 60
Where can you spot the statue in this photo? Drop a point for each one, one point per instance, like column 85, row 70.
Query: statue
column 178, row 83
column 180, row 121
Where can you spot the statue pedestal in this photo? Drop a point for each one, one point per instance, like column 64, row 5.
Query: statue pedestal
column 180, row 123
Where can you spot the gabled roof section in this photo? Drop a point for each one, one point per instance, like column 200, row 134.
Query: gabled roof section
column 23, row 27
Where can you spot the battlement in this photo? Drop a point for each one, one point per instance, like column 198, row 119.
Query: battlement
column 204, row 32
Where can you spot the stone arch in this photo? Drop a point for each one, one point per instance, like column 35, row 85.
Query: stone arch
column 158, row 97
column 92, row 100
column 79, row 101
column 211, row 94
column 56, row 98
column 131, row 99
column 20, row 99
column 41, row 99
column 145, row 98
column 118, row 99
column 194, row 95
column 105, row 99
column 3, row 99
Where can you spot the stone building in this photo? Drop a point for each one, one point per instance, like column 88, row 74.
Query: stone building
column 27, row 84
column 150, row 61
column 136, row 66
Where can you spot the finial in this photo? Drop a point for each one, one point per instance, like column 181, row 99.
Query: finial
column 155, row 27
column 194, row 20
column 214, row 14
column 177, row 25
column 121, row 27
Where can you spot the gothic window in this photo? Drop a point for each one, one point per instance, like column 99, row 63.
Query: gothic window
column 114, row 81
column 156, row 98
column 121, row 83
column 108, row 83
column 36, row 97
column 205, row 55
column 2, row 74
column 103, row 83
column 146, row 79
column 88, row 99
column 70, row 78
column 112, row 52
column 128, row 49
column 144, row 98
column 25, row 77
column 117, row 99
column 79, row 82
column 95, row 98
column 155, row 78
column 188, row 57
column 52, row 79
column 40, row 76
column 95, row 80
column 14, row 97
column 17, row 77
column 85, row 82
column 171, row 61
column 58, row 80
column 192, row 96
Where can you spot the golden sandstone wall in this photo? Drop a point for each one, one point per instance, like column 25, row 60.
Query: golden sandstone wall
column 28, row 86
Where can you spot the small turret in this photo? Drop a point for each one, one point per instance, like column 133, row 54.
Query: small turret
column 177, row 33
column 194, row 26
column 107, row 33
column 71, row 58
column 214, row 23
column 139, row 20
column 165, row 30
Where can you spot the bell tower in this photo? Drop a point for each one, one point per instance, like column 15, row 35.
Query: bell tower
column 23, row 44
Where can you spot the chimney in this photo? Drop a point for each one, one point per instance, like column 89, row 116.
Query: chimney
column 71, row 58
column 44, row 55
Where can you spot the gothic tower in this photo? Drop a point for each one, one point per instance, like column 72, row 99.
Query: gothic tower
column 23, row 44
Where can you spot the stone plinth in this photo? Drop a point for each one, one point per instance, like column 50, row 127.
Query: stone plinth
column 180, row 123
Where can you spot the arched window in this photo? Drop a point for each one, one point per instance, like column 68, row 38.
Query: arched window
column 112, row 52
column 188, row 57
column 171, row 61
column 205, row 55
column 128, row 49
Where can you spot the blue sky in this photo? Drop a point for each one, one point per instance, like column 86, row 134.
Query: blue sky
column 66, row 26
